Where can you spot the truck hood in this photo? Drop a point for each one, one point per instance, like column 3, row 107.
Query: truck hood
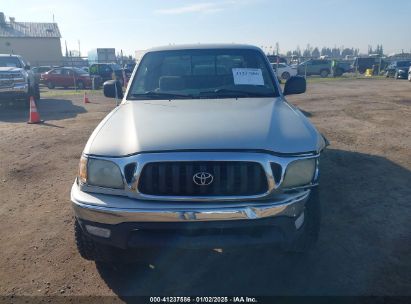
column 248, row 123
column 10, row 69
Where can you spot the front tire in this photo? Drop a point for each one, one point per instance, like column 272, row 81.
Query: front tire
column 324, row 73
column 24, row 102
column 50, row 85
column 80, row 85
column 89, row 249
column 311, row 227
column 338, row 73
column 285, row 75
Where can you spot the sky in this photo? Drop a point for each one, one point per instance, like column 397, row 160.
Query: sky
column 140, row 24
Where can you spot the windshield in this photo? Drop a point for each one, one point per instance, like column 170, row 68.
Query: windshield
column 210, row 73
column 12, row 62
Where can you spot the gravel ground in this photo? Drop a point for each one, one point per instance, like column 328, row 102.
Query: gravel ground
column 365, row 242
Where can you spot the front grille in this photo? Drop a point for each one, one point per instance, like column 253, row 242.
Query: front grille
column 230, row 178
column 6, row 83
column 10, row 76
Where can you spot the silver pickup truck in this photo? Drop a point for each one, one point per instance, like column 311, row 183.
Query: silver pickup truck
column 203, row 151
column 17, row 81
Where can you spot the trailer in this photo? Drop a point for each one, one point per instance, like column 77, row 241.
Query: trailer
column 102, row 55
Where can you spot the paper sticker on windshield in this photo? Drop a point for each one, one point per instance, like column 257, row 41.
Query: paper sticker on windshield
column 248, row 76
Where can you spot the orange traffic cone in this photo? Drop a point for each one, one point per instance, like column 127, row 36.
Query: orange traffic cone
column 85, row 99
column 34, row 116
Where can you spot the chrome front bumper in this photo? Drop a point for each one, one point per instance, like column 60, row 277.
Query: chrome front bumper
column 18, row 89
column 112, row 209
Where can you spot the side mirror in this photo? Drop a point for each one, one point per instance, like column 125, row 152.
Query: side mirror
column 295, row 85
column 27, row 67
column 113, row 89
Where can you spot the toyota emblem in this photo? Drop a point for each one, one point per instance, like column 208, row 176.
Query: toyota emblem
column 203, row 178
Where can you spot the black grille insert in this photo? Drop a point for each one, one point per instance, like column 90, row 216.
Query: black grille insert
column 230, row 178
column 129, row 171
column 277, row 171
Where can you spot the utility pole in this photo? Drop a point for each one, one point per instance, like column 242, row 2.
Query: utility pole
column 79, row 53
column 122, row 68
column 74, row 77
column 65, row 41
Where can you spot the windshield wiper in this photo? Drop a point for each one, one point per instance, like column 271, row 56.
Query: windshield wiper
column 235, row 93
column 156, row 95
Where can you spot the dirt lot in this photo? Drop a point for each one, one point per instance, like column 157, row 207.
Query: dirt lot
column 364, row 246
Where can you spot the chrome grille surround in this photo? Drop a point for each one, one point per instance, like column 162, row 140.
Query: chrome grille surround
column 131, row 188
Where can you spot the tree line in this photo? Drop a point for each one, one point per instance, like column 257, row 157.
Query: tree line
column 335, row 52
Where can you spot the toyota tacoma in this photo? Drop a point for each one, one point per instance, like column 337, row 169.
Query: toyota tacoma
column 204, row 151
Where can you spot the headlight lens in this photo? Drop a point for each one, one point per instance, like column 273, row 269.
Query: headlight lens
column 82, row 170
column 104, row 173
column 299, row 173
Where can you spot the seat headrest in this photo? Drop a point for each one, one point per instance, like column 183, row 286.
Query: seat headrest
column 171, row 83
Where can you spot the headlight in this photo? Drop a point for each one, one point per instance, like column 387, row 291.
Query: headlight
column 101, row 173
column 299, row 173
column 82, row 170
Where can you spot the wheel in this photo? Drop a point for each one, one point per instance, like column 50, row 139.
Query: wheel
column 285, row 75
column 338, row 73
column 324, row 73
column 50, row 85
column 80, row 85
column 311, row 226
column 23, row 102
column 89, row 249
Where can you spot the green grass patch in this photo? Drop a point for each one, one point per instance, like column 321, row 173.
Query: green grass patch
column 343, row 78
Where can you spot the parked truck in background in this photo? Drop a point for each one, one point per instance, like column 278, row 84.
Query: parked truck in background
column 341, row 67
column 310, row 67
column 17, row 81
column 361, row 64
column 398, row 69
column 107, row 71
column 102, row 55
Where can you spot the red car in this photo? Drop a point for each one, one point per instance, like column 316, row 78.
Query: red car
column 67, row 77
